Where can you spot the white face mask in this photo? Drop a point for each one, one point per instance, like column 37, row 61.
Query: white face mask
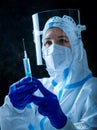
column 57, row 58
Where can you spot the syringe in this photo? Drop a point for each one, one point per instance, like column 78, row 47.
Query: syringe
column 26, row 62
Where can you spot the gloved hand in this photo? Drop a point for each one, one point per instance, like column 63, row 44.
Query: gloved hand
column 20, row 93
column 48, row 105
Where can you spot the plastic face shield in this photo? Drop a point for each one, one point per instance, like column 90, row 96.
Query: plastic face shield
column 39, row 20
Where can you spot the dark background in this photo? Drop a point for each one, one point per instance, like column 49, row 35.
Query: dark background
column 16, row 23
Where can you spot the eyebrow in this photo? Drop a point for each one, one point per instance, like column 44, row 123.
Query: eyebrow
column 61, row 36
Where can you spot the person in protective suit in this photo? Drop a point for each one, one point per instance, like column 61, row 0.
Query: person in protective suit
column 67, row 100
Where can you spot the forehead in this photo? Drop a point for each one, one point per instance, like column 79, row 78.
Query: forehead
column 54, row 32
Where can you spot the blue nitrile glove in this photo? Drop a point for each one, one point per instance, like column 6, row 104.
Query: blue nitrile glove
column 48, row 105
column 20, row 93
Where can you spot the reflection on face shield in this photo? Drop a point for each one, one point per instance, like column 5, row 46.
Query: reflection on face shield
column 57, row 57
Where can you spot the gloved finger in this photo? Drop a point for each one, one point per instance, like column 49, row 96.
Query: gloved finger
column 36, row 100
column 43, row 90
column 22, row 81
column 22, row 103
column 19, row 97
column 14, row 86
column 27, row 88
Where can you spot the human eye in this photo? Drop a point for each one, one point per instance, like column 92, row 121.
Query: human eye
column 47, row 43
column 63, row 41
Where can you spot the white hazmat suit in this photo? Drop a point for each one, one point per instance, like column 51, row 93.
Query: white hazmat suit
column 73, row 84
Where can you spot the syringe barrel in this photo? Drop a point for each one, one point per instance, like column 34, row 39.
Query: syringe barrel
column 27, row 67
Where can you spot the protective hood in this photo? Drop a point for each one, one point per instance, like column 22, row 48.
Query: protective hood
column 79, row 69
